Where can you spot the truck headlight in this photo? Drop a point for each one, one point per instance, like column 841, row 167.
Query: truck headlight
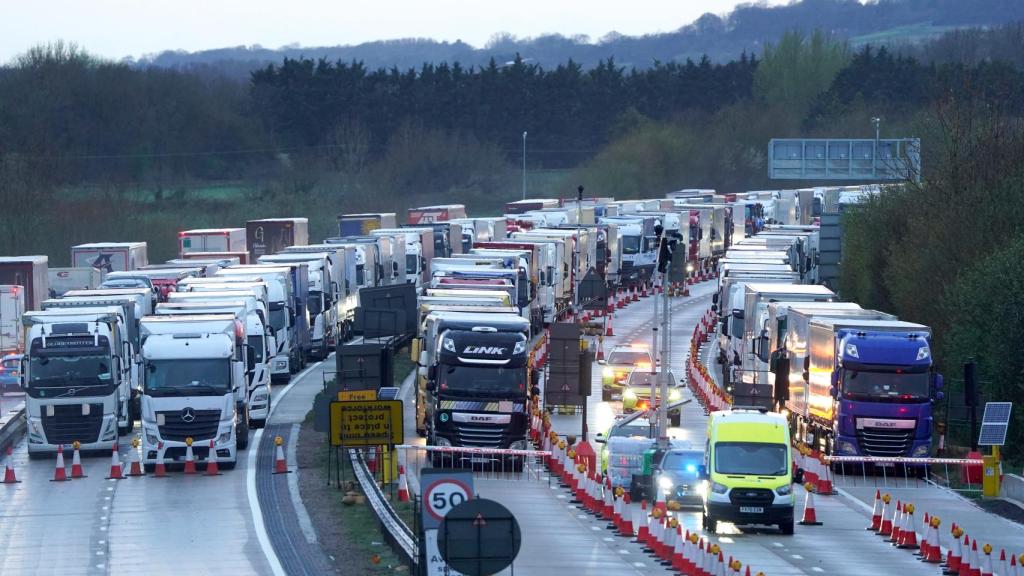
column 443, row 442
column 846, row 447
column 520, row 347
column 719, row 488
column 259, row 398
column 665, row 483
column 224, row 437
column 520, row 445
column 851, row 351
column 152, row 438
column 280, row 364
column 675, row 395
column 448, row 344
column 784, row 490
column 923, row 353
column 921, row 451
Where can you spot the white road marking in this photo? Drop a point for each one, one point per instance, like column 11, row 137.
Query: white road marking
column 816, row 569
column 250, row 485
column 293, row 488
column 797, row 556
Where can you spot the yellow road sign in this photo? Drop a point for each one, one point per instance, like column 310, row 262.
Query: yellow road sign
column 366, row 423
column 347, row 395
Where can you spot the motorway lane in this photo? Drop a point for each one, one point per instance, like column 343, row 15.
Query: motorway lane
column 92, row 525
column 11, row 402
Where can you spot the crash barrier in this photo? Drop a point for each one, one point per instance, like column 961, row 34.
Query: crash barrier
column 953, row 551
column 703, row 386
column 397, row 533
column 494, row 463
column 827, row 472
column 656, row 525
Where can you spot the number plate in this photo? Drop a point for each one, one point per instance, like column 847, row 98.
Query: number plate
column 480, row 460
column 751, row 510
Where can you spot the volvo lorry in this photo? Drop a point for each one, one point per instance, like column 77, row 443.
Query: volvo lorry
column 77, row 374
column 195, row 387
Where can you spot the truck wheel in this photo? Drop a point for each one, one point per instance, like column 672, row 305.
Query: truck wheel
column 242, row 438
column 787, row 527
column 421, row 432
column 606, row 395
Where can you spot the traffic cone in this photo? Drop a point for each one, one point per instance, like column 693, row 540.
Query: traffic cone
column 876, row 512
column 1014, row 569
column 643, row 534
column 954, row 554
column 190, row 460
column 76, row 461
column 211, row 461
column 934, row 554
column 886, row 528
column 60, row 474
column 403, row 485
column 280, row 465
column 810, row 518
column 608, row 331
column 600, row 349
column 897, row 523
column 115, row 465
column 970, row 560
column 636, row 294
column 159, row 470
column 926, row 537
column 720, row 566
column 9, row 476
column 135, row 468
column 609, row 501
column 1004, row 566
column 627, row 516
column 678, row 559
column 908, row 533
column 986, row 560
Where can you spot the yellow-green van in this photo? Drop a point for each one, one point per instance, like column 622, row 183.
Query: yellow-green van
column 748, row 470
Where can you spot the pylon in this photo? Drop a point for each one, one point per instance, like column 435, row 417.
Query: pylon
column 211, row 461
column 76, row 461
column 60, row 474
column 955, row 553
column 886, row 528
column 965, row 560
column 620, row 301
column 986, row 560
column 608, row 326
column 1004, row 567
column 876, row 512
column 403, row 485
column 115, row 465
column 636, row 294
column 908, row 533
column 678, row 557
column 926, row 537
column 136, row 466
column 609, row 500
column 934, row 554
column 600, row 348
column 280, row 465
column 897, row 523
column 970, row 560
column 643, row 292
column 642, row 532
column 9, row 475
column 810, row 518
column 159, row 470
column 190, row 459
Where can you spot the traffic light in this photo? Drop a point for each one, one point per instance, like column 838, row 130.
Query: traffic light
column 665, row 247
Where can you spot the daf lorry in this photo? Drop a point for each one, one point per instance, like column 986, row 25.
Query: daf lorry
column 195, row 387
column 861, row 387
column 77, row 374
column 476, row 382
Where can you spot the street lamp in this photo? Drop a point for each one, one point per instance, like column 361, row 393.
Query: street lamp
column 524, row 164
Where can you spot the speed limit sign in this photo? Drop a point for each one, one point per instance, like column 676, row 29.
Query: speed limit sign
column 442, row 491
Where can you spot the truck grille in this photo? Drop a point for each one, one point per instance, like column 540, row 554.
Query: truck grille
column 885, row 441
column 202, row 427
column 480, row 435
column 751, row 497
column 68, row 424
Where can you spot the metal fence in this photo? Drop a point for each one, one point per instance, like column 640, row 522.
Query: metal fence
column 492, row 463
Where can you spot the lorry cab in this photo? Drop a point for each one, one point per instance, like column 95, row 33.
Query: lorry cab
column 748, row 470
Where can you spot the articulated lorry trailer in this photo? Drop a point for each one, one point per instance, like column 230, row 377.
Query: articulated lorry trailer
column 861, row 387
column 79, row 378
column 476, row 382
column 195, row 387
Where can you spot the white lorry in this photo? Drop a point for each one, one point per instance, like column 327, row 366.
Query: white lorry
column 282, row 301
column 195, row 387
column 324, row 323
column 12, row 307
column 110, row 256
column 245, row 307
column 77, row 374
column 64, row 279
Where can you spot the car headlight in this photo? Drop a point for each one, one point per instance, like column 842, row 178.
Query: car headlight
column 448, row 344
column 845, row 447
column 784, row 490
column 921, row 451
column 719, row 488
column 665, row 483
column 520, row 445
column 443, row 442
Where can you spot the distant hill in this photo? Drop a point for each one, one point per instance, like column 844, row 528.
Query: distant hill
column 746, row 29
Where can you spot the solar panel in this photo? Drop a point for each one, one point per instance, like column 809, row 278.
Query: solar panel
column 387, row 393
column 995, row 423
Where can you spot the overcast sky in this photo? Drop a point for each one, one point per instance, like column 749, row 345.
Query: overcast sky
column 119, row 28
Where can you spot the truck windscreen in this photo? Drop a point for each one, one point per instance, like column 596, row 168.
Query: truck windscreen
column 80, row 374
column 751, row 458
column 630, row 244
column 891, row 386
column 483, row 380
column 257, row 343
column 201, row 377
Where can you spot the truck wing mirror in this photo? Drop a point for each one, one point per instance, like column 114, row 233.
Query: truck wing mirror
column 737, row 314
column 937, row 381
column 798, row 475
column 714, row 298
column 835, row 379
column 702, row 472
column 781, row 384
